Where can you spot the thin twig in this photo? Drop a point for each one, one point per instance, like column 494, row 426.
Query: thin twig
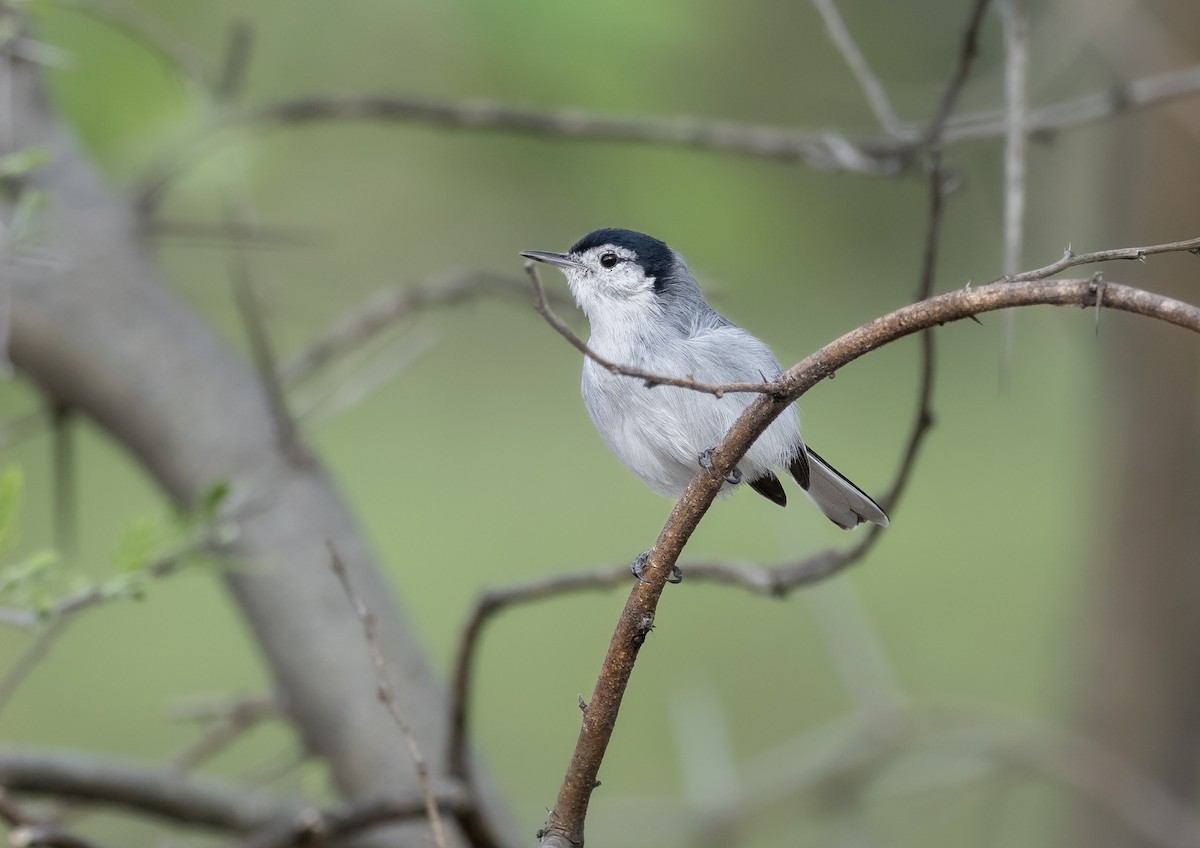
column 228, row 724
column 94, row 596
column 30, row 659
column 165, row 794
column 1114, row 101
column 649, row 378
column 316, row 826
column 1070, row 259
column 840, row 35
column 239, row 44
column 387, row 695
column 31, row 832
column 968, row 50
column 486, row 607
column 250, row 310
column 346, row 393
column 57, row 619
column 387, row 308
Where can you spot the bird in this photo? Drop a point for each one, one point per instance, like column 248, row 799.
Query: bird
column 647, row 311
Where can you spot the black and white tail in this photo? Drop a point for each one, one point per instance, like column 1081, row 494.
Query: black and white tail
column 843, row 503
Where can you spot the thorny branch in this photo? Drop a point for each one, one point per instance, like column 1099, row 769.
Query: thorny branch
column 776, row 581
column 565, row 823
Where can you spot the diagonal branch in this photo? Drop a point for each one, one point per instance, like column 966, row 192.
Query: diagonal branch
column 565, row 824
column 968, row 50
column 385, row 309
column 386, row 693
column 840, row 35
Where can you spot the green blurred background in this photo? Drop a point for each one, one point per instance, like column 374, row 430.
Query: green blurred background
column 476, row 465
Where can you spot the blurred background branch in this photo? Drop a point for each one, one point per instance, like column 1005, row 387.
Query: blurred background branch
column 467, row 461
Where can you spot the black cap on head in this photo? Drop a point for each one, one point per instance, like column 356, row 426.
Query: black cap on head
column 653, row 255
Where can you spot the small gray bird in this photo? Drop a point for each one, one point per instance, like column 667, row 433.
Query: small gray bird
column 646, row 311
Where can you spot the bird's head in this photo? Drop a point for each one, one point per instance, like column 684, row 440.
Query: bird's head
column 615, row 273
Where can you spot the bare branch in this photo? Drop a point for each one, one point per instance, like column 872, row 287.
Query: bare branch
column 1125, row 97
column 1070, row 259
column 29, row 659
column 229, row 723
column 145, row 789
column 239, row 45
column 321, row 826
column 29, row 831
column 968, row 49
column 840, row 35
column 565, row 822
column 166, row 794
column 250, row 310
column 387, row 308
column 337, row 395
column 387, row 696
column 824, row 151
column 487, row 606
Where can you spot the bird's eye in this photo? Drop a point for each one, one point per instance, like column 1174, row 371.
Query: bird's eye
column 609, row 260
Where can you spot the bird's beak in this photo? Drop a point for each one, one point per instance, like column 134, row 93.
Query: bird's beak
column 562, row 260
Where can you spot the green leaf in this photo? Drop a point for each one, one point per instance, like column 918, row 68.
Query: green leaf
column 138, row 546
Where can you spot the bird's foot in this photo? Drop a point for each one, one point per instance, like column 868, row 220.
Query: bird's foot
column 639, row 569
column 733, row 477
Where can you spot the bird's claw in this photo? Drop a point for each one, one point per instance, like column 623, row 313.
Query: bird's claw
column 639, row 569
column 733, row 477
